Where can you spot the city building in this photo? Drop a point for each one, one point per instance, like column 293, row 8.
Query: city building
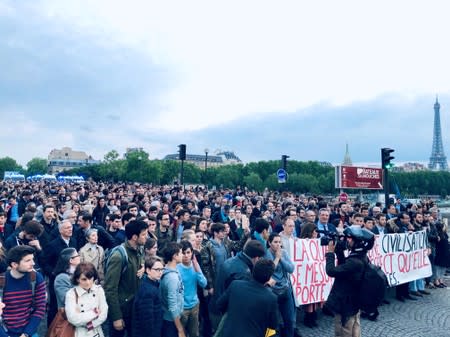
column 66, row 159
column 219, row 158
column 409, row 167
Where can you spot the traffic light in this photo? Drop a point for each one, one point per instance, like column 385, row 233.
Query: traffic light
column 182, row 152
column 386, row 158
column 284, row 161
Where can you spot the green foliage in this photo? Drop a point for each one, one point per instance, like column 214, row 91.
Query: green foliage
column 254, row 182
column 423, row 182
column 170, row 171
column 37, row 166
column 9, row 164
column 111, row 156
column 304, row 177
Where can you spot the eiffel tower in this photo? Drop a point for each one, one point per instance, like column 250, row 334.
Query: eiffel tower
column 437, row 153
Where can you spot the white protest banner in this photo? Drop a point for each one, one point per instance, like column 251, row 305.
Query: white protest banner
column 310, row 282
column 403, row 257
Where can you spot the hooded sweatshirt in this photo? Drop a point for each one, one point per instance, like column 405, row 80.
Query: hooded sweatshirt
column 172, row 293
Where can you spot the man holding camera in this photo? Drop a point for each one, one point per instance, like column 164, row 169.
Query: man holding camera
column 348, row 273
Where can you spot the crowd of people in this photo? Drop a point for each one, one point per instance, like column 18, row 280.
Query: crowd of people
column 143, row 260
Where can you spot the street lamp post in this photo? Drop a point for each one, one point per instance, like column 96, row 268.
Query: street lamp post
column 140, row 169
column 206, row 165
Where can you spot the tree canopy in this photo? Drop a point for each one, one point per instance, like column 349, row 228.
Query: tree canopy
column 304, row 177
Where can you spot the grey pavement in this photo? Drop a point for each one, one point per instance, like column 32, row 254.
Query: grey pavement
column 429, row 316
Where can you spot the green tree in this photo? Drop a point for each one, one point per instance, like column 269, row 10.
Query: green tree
column 136, row 162
column 9, row 164
column 37, row 166
column 192, row 174
column 111, row 156
column 254, row 182
column 170, row 171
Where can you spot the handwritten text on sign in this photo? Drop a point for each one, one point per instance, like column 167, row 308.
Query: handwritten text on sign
column 402, row 257
column 310, row 281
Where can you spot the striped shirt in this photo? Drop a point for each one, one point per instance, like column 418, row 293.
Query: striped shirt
column 19, row 314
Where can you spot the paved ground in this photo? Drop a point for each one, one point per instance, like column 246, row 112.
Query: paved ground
column 427, row 317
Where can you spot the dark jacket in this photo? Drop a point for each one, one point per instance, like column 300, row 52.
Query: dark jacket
column 52, row 251
column 119, row 236
column 375, row 230
column 99, row 214
column 104, row 239
column 164, row 238
column 238, row 267
column 251, row 309
column 330, row 227
column 50, row 232
column 343, row 298
column 147, row 310
column 15, row 240
column 442, row 258
column 432, row 236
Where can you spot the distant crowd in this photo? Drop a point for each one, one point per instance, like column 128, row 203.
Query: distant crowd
column 143, row 260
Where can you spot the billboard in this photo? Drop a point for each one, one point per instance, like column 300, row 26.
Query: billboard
column 359, row 177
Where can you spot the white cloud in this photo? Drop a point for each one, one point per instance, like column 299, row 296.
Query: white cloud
column 240, row 58
column 27, row 138
column 226, row 61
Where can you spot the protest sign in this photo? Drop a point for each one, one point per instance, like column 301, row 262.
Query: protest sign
column 402, row 257
column 310, row 282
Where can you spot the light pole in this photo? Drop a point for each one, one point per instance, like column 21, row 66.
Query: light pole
column 140, row 168
column 206, row 165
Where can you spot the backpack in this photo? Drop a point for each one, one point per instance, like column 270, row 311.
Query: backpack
column 123, row 254
column 372, row 289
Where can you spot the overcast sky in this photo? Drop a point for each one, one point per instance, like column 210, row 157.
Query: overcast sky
column 260, row 78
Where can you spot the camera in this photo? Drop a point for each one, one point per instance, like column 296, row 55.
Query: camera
column 327, row 237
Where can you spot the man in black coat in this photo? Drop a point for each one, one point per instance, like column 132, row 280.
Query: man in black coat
column 50, row 258
column 323, row 224
column 54, row 248
column 50, row 225
column 239, row 267
column 85, row 222
column 251, row 307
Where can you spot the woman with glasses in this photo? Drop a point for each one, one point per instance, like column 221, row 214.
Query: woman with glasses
column 65, row 267
column 147, row 308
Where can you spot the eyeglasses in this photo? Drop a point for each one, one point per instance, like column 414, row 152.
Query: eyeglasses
column 159, row 270
column 75, row 256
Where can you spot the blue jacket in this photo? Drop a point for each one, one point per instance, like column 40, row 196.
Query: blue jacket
column 172, row 293
column 147, row 311
column 283, row 268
